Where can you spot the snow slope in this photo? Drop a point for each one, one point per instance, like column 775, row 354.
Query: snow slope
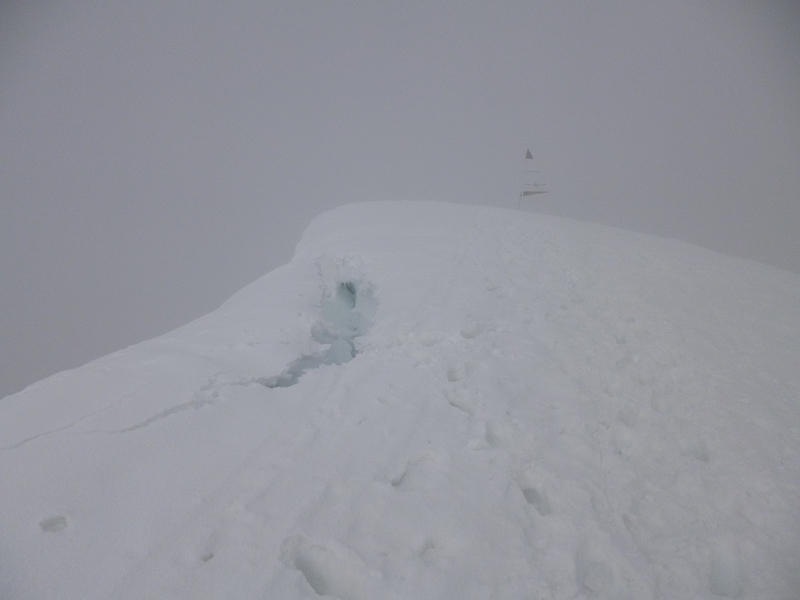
column 429, row 401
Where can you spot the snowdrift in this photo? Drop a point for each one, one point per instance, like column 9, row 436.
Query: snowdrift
column 429, row 401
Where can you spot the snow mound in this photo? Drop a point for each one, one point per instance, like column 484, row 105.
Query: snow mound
column 429, row 401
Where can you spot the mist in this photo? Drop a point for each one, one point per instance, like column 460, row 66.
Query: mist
column 158, row 157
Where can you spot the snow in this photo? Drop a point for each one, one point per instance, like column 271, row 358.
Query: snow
column 429, row 401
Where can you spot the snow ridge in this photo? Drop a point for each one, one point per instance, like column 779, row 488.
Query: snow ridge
column 429, row 401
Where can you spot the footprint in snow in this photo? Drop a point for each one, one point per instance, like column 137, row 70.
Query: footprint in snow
column 534, row 488
column 602, row 572
column 417, row 471
column 473, row 330
column 538, row 498
column 330, row 569
column 491, row 435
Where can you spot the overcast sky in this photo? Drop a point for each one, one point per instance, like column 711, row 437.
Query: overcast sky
column 157, row 156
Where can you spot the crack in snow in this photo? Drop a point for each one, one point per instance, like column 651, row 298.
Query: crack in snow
column 208, row 394
column 194, row 403
column 77, row 421
column 346, row 315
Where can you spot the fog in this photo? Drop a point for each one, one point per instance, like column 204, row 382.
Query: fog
column 156, row 157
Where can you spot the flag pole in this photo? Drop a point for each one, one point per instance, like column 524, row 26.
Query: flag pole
column 535, row 191
column 528, row 156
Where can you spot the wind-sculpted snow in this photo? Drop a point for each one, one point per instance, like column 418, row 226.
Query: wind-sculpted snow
column 429, row 401
column 347, row 313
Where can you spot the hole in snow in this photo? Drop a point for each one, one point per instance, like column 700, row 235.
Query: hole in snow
column 346, row 314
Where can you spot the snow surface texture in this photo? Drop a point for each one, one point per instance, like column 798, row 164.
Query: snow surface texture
column 434, row 402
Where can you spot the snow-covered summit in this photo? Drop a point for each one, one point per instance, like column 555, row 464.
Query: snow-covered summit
column 429, row 401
